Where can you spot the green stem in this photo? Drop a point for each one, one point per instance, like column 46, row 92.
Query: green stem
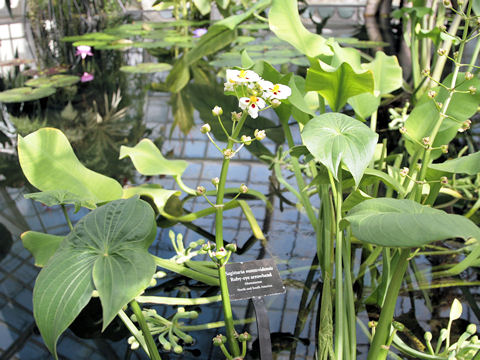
column 178, row 301
column 214, row 325
column 198, row 214
column 184, row 187
column 382, row 331
column 183, row 270
column 66, row 217
column 152, row 348
column 227, row 308
column 133, row 330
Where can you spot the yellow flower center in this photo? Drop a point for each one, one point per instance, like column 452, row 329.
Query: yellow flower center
column 253, row 99
column 242, row 74
column 276, row 88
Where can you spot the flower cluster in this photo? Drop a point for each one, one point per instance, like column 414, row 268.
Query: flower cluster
column 255, row 91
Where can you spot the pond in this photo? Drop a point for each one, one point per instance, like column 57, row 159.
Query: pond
column 112, row 104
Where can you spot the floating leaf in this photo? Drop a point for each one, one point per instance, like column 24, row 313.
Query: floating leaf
column 335, row 138
column 61, row 197
column 145, row 68
column 285, row 22
column 41, row 246
column 148, row 160
column 406, row 223
column 49, row 163
column 24, row 94
column 469, row 165
column 55, row 81
column 107, row 251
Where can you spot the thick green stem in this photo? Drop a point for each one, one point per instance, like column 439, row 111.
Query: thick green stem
column 182, row 270
column 382, row 331
column 152, row 348
column 70, row 226
column 227, row 308
column 177, row 301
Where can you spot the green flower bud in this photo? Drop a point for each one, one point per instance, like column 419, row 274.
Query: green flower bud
column 472, row 329
column 247, row 140
column 243, row 189
column 428, row 336
column 231, row 247
column 468, row 75
column 205, row 128
column 217, row 111
column 259, row 134
column 201, row 190
column 219, row 340
column 177, row 349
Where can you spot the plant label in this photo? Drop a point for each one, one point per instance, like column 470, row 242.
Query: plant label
column 251, row 279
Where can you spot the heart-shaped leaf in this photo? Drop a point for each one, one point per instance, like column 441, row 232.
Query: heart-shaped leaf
column 107, row 251
column 41, row 246
column 406, row 223
column 148, row 160
column 61, row 197
column 335, row 138
column 49, row 163
column 469, row 165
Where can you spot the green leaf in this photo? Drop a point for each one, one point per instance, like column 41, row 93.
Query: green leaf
column 53, row 81
column 364, row 104
column 61, row 197
column 203, row 6
column 148, row 160
column 387, row 73
column 335, row 138
column 285, row 22
column 469, row 165
column 145, row 68
column 336, row 85
column 49, row 163
column 247, row 62
column 41, row 246
column 406, row 223
column 24, row 94
column 107, row 251
column 182, row 109
column 158, row 195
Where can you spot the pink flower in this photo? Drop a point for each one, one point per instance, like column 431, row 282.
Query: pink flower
column 86, row 77
column 84, row 51
column 199, row 32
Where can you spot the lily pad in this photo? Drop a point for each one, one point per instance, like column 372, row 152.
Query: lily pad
column 55, row 81
column 24, row 94
column 146, row 68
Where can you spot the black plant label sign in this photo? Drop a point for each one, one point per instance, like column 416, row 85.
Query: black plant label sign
column 251, row 279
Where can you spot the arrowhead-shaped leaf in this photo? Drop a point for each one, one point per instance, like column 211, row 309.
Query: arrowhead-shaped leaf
column 49, row 163
column 148, row 160
column 155, row 192
column 107, row 251
column 335, row 138
column 406, row 223
column 337, row 84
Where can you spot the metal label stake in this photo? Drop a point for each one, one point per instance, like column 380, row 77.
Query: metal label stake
column 263, row 328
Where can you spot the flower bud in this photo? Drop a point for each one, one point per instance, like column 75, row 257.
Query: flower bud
column 247, row 140
column 134, row 345
column 426, row 72
column 220, row 254
column 208, row 247
column 442, row 28
column 217, row 111
column 465, row 126
column 177, row 349
column 432, row 94
column 201, row 190
column 471, row 329
column 472, row 90
column 236, row 116
column 403, row 130
column 95, row 293
column 468, row 75
column 426, row 141
column 444, row 180
column 259, row 134
column 219, row 340
column 228, row 153
column 244, row 337
column 152, row 283
column 205, row 129
column 275, row 103
column 130, row 340
column 231, row 247
column 428, row 336
column 447, row 3
column 444, row 149
column 404, row 172
column 215, row 181
column 243, row 189
column 398, row 326
column 441, row 52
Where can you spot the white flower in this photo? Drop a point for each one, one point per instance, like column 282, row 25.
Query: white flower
column 217, row 111
column 228, row 86
column 277, row 91
column 253, row 104
column 241, row 76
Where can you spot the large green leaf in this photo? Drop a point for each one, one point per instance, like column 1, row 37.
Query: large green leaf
column 469, row 165
column 335, row 138
column 55, row 81
column 406, row 223
column 107, row 251
column 337, row 84
column 23, row 94
column 49, row 163
column 148, row 160
column 285, row 22
column 146, row 68
column 41, row 246
column 423, row 118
